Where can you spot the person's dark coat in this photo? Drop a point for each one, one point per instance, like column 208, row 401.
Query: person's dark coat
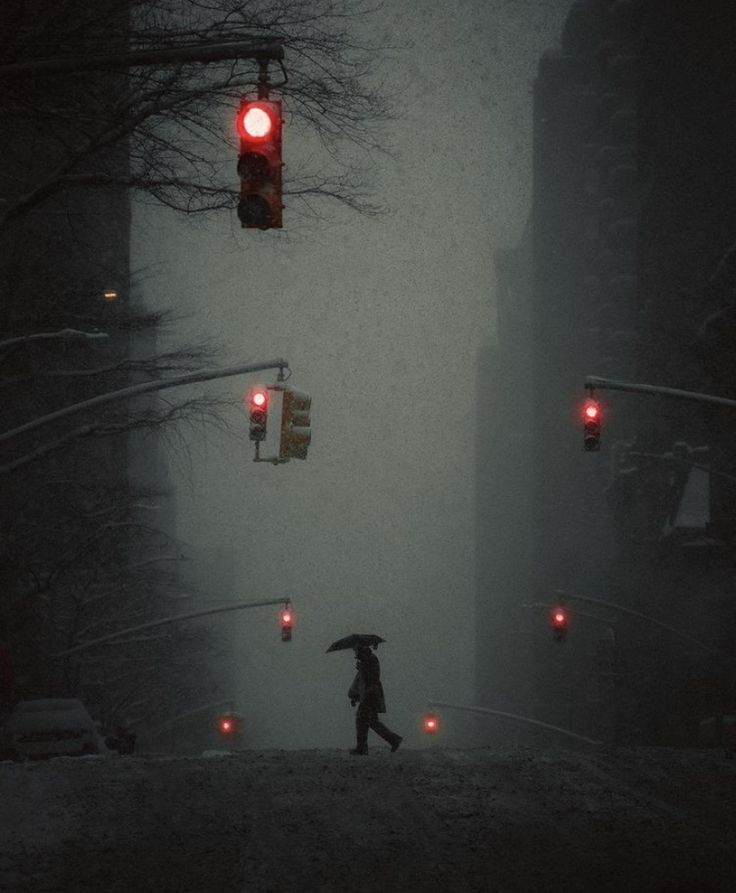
column 366, row 687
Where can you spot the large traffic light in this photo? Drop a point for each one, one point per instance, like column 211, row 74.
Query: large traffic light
column 296, row 433
column 258, row 399
column 592, row 425
column 559, row 620
column 259, row 125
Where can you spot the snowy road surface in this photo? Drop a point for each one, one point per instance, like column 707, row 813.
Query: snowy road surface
column 321, row 820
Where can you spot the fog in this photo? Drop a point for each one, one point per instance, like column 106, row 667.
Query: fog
column 381, row 320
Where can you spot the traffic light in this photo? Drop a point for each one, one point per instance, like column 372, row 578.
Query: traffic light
column 296, row 434
column 431, row 723
column 559, row 619
column 258, row 403
column 592, row 425
column 286, row 619
column 231, row 725
column 259, row 126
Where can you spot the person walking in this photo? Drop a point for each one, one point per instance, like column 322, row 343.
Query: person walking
column 366, row 690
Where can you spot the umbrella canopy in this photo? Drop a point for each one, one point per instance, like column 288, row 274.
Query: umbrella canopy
column 355, row 639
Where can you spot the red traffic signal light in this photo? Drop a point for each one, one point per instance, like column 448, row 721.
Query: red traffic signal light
column 592, row 425
column 254, row 121
column 258, row 400
column 230, row 725
column 286, row 619
column 259, row 126
column 431, row 723
column 559, row 619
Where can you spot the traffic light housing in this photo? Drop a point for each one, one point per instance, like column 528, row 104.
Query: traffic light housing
column 559, row 620
column 286, row 620
column 259, row 125
column 296, row 433
column 258, row 400
column 591, row 425
column 431, row 723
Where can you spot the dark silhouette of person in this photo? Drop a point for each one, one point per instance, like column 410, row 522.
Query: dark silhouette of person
column 367, row 691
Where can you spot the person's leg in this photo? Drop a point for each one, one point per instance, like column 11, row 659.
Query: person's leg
column 362, row 722
column 380, row 729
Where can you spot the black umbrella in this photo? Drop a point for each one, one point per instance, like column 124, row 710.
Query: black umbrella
column 352, row 641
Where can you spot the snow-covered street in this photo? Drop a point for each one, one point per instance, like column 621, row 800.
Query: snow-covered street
column 630, row 819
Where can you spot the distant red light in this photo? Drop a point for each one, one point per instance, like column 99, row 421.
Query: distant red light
column 431, row 723
column 559, row 617
column 592, row 410
column 285, row 617
column 259, row 398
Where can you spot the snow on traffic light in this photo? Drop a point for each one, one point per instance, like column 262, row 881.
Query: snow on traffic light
column 591, row 425
column 259, row 125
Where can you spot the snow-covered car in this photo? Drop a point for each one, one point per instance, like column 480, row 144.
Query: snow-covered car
column 50, row 727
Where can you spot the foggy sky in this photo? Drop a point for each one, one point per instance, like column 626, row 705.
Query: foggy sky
column 381, row 320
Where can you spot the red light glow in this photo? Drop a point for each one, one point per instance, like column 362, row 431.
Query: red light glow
column 559, row 617
column 430, row 723
column 592, row 410
column 286, row 617
column 225, row 725
column 259, row 398
column 256, row 122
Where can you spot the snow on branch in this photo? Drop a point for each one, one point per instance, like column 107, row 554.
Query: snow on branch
column 62, row 334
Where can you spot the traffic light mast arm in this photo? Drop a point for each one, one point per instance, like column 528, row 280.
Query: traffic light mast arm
column 251, row 48
column 516, row 717
column 675, row 632
column 142, row 388
column 636, row 454
column 236, row 606
column 603, row 384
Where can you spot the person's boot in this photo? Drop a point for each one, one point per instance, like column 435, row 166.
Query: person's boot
column 359, row 751
column 395, row 743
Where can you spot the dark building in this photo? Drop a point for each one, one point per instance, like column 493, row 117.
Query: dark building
column 83, row 520
column 632, row 236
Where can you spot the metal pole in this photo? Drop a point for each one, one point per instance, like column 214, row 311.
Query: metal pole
column 143, row 388
column 134, row 629
column 676, row 632
column 251, row 48
column 516, row 718
column 682, row 459
column 188, row 713
column 593, row 381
